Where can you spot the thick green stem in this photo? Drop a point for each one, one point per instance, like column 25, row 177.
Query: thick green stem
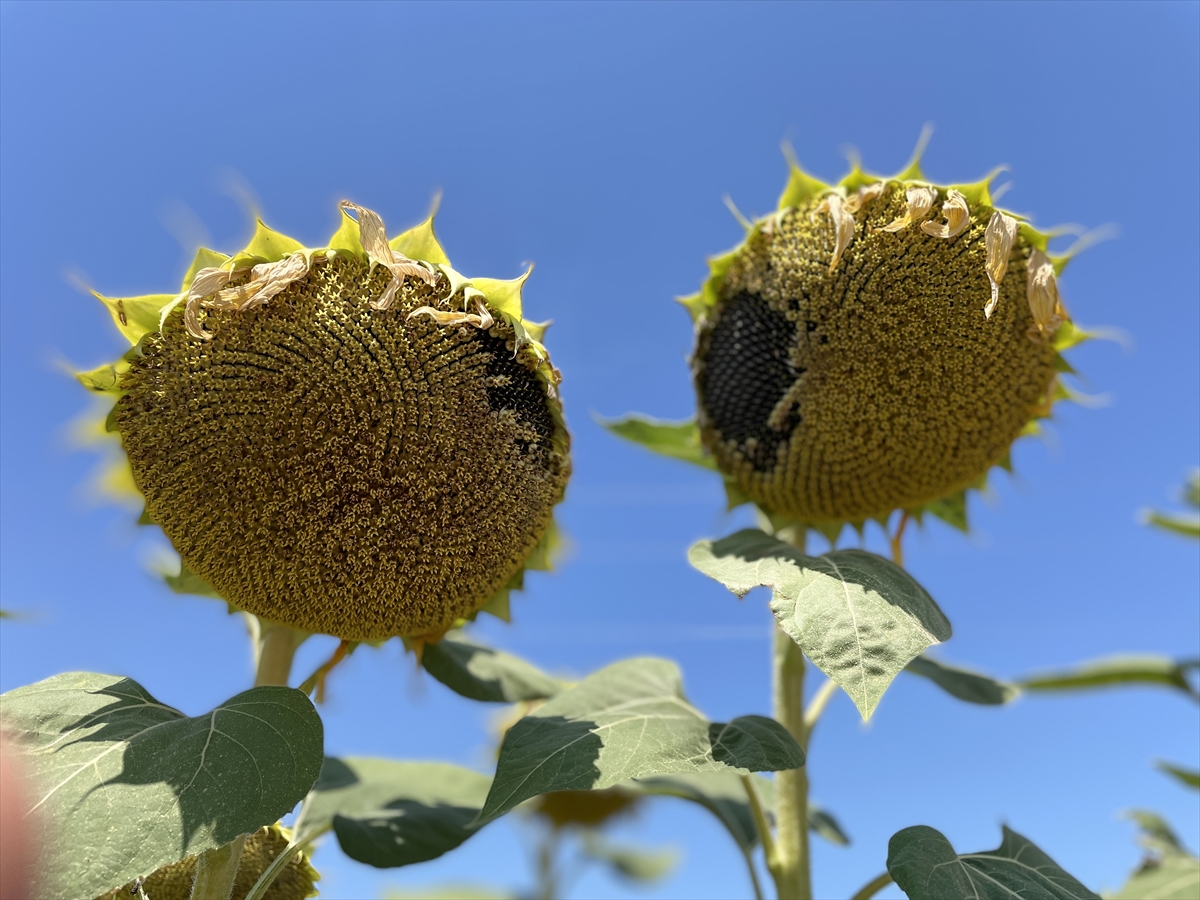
column 791, row 870
column 216, row 869
column 274, row 647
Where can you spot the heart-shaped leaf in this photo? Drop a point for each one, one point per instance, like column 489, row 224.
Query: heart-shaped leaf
column 481, row 673
column 389, row 813
column 126, row 785
column 858, row 617
column 963, row 683
column 924, row 865
column 627, row 720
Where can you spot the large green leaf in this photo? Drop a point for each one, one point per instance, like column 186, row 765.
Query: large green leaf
column 481, row 673
column 1116, row 671
column 390, row 813
column 858, row 617
column 963, row 683
column 625, row 721
column 678, row 440
column 924, row 865
column 127, row 785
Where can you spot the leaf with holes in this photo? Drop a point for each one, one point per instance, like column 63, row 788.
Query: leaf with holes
column 628, row 720
column 923, row 864
column 858, row 617
column 481, row 673
column 126, row 785
column 389, row 813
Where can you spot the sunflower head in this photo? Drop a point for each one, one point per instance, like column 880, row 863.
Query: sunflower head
column 354, row 440
column 875, row 345
column 297, row 881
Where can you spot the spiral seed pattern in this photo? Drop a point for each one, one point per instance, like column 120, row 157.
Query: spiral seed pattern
column 837, row 396
column 345, row 470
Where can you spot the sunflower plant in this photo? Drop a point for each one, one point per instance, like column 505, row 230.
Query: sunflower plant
column 360, row 441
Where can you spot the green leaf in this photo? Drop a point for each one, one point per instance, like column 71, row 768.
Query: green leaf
column 925, row 865
column 481, row 673
column 631, row 862
column 389, row 813
column 627, row 720
column 1177, row 523
column 963, row 683
column 858, row 617
column 678, row 440
column 951, row 510
column 1115, row 671
column 823, row 823
column 1189, row 777
column 1175, row 877
column 127, row 785
column 1171, row 873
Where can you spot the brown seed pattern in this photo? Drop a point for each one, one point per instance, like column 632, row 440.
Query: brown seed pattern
column 837, row 396
column 342, row 469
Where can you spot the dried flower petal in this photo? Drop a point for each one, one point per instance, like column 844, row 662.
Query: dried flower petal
column 920, row 202
column 998, row 241
column 863, row 196
column 957, row 215
column 843, row 225
column 373, row 236
column 1044, row 301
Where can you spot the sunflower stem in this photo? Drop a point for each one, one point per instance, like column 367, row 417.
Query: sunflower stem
column 216, row 870
column 274, row 647
column 793, row 879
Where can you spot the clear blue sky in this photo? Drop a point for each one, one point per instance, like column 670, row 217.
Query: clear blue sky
column 597, row 141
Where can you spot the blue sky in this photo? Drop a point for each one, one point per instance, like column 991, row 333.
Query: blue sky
column 597, row 141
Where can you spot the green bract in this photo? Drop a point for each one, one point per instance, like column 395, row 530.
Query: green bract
column 354, row 440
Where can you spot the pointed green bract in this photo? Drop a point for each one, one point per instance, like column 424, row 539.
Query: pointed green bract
column 135, row 316
column 140, row 785
column 628, row 720
column 205, row 259
column 420, row 242
column 347, row 238
column 268, row 245
column 858, row 617
column 678, row 440
column 925, row 865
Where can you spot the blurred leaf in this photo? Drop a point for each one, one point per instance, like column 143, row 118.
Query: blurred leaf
column 1170, row 878
column 963, row 683
column 824, row 824
column 1171, row 873
column 1156, row 834
column 678, row 440
column 1118, row 670
column 633, row 863
column 1189, row 777
column 448, row 892
column 627, row 720
column 925, row 865
column 481, row 673
column 1191, row 490
column 858, row 617
column 389, row 813
column 1178, row 523
column 128, row 785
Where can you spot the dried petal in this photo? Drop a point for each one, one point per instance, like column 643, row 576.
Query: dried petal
column 481, row 318
column 998, row 241
column 1044, row 301
column 956, row 213
column 863, row 196
column 919, row 202
column 843, row 225
column 373, row 236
